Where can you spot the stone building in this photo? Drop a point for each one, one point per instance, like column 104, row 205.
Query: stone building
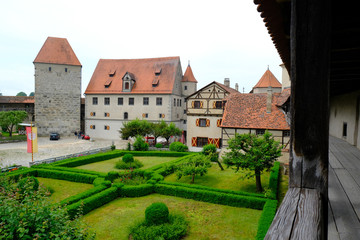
column 122, row 90
column 18, row 103
column 57, row 88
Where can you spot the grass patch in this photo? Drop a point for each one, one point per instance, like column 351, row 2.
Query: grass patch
column 6, row 137
column 109, row 165
column 206, row 220
column 226, row 179
column 63, row 189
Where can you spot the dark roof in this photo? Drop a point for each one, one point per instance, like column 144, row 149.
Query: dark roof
column 345, row 40
column 248, row 111
column 57, row 51
column 16, row 99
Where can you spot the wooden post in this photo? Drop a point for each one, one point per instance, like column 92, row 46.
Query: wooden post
column 310, row 44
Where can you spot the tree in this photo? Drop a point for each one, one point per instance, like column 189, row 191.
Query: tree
column 211, row 151
column 10, row 119
column 170, row 130
column 21, row 94
column 134, row 128
column 157, row 129
column 31, row 94
column 254, row 153
column 27, row 213
column 194, row 165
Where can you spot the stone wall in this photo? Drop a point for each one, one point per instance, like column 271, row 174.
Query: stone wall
column 57, row 98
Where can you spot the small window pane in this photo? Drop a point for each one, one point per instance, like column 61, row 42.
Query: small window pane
column 158, row 101
column 131, row 101
column 120, row 101
column 95, row 100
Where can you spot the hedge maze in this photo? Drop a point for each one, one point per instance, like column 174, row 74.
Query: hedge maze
column 105, row 191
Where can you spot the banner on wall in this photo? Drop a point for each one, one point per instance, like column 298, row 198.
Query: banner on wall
column 31, row 133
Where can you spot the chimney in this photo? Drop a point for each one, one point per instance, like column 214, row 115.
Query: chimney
column 227, row 82
column 236, row 87
column 269, row 100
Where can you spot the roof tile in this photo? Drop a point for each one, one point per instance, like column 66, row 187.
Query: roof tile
column 189, row 76
column 268, row 80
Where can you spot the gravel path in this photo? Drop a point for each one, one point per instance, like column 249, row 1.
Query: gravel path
column 15, row 153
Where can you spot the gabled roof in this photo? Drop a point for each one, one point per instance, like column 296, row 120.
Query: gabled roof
column 248, row 111
column 16, row 99
column 227, row 89
column 284, row 96
column 189, row 76
column 57, row 51
column 143, row 71
column 268, row 80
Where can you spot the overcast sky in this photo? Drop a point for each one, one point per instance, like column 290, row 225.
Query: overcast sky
column 221, row 39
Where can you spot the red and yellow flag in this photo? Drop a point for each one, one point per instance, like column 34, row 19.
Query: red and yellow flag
column 31, row 133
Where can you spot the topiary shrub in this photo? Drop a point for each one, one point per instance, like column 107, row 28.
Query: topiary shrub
column 131, row 165
column 156, row 213
column 158, row 145
column 178, row 147
column 28, row 183
column 140, row 144
column 112, row 175
column 128, row 158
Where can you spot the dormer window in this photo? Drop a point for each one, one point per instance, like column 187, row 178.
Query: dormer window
column 108, row 83
column 128, row 82
column 127, row 86
column 112, row 73
column 157, row 71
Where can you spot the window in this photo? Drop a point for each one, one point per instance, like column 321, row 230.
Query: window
column 106, row 114
column 93, row 114
column 184, row 111
column 161, row 115
column 65, row 69
column 260, row 131
column 106, row 127
column 49, row 69
column 131, row 101
column 202, row 122
column 344, row 129
column 202, row 141
column 286, row 133
column 174, row 102
column 185, row 87
column 95, row 100
column 218, row 104
column 184, row 122
column 197, row 104
column 145, row 101
column 120, row 101
column 178, row 102
column 158, row 101
column 126, row 115
column 145, row 115
column 92, row 126
column 127, row 86
column 106, row 101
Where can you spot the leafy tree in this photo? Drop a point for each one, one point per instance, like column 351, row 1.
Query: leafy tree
column 157, row 129
column 254, row 153
column 21, row 94
column 10, row 119
column 170, row 130
column 29, row 214
column 194, row 165
column 211, row 151
column 31, row 94
column 134, row 128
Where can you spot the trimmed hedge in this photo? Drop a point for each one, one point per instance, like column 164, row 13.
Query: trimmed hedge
column 136, row 191
column 193, row 186
column 69, row 176
column 21, row 173
column 112, row 175
column 98, row 181
column 83, row 195
column 211, row 196
column 67, row 169
column 266, row 218
column 274, row 180
column 97, row 200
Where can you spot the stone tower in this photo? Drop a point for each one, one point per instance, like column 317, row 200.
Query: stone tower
column 57, row 88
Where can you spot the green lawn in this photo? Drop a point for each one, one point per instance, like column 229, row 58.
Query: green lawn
column 206, row 220
column 63, row 189
column 109, row 165
column 226, row 179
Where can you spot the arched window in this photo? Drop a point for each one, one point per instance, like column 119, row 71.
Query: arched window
column 127, row 86
column 125, row 115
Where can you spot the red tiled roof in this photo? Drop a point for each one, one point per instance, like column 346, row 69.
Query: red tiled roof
column 268, row 80
column 16, row 99
column 142, row 70
column 189, row 76
column 284, row 96
column 249, row 111
column 57, row 51
column 229, row 89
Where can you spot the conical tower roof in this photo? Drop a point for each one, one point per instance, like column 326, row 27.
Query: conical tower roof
column 189, row 76
column 268, row 80
column 57, row 51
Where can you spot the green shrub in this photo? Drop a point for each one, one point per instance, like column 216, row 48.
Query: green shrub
column 68, row 169
column 128, row 158
column 99, row 181
column 28, row 184
column 129, row 146
column 210, row 150
column 69, row 176
column 112, row 175
column 178, row 147
column 83, row 195
column 266, row 218
column 140, row 144
column 131, row 165
column 16, row 175
column 113, row 147
column 136, row 191
column 158, row 145
column 157, row 213
column 175, row 229
column 274, row 180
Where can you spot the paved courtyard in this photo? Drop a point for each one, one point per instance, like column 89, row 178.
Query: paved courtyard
column 16, row 153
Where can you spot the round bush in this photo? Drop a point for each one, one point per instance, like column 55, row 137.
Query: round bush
column 158, row 145
column 29, row 183
column 128, row 158
column 140, row 144
column 133, row 165
column 156, row 213
column 178, row 147
column 210, row 149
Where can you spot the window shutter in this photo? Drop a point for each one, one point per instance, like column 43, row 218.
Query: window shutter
column 163, row 115
column 201, row 104
column 193, row 141
column 217, row 142
column 197, row 122
column 92, row 114
column 214, row 104
column 208, row 122
column 192, row 104
column 218, row 122
column 143, row 115
column 210, row 140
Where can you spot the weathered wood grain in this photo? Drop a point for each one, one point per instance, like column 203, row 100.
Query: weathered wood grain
column 332, row 230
